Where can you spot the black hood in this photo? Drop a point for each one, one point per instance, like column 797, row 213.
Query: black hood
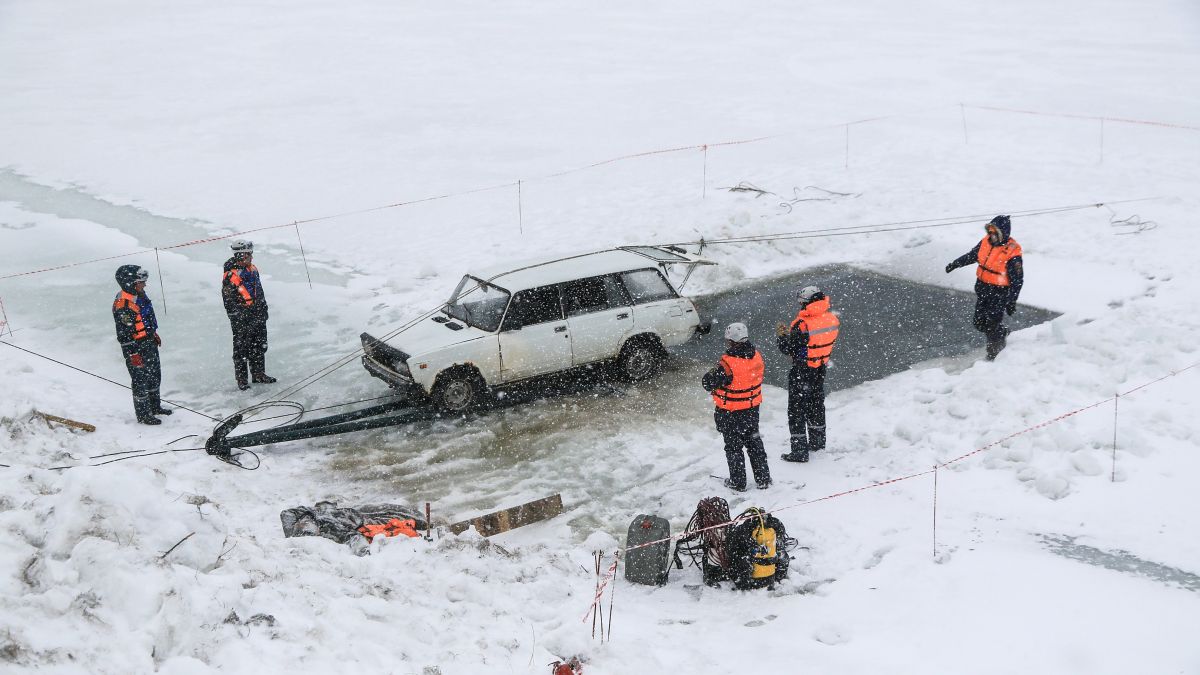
column 1004, row 224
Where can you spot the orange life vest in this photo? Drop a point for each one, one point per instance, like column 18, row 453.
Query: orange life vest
column 745, row 391
column 126, row 300
column 391, row 528
column 235, row 280
column 993, row 261
column 822, row 328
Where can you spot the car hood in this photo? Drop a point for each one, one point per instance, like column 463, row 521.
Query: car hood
column 428, row 336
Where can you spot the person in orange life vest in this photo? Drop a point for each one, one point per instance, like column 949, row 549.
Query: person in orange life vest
column 736, row 387
column 246, row 305
column 808, row 342
column 137, row 333
column 998, row 281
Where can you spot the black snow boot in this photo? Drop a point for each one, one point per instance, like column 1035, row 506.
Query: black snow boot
column 258, row 366
column 734, row 486
column 996, row 342
column 156, row 404
column 240, row 372
column 793, row 456
column 816, row 437
column 144, row 411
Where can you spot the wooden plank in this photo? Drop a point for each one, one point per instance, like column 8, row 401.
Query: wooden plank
column 62, row 420
column 508, row 519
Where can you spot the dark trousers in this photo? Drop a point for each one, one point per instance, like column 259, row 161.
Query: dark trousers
column 806, row 408
column 145, row 380
column 990, row 302
column 740, row 429
column 249, row 344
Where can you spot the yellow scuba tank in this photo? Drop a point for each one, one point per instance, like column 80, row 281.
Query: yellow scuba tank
column 763, row 560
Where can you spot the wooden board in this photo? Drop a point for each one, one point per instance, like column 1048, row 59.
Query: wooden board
column 518, row 516
column 62, row 420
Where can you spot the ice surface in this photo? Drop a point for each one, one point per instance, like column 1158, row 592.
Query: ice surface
column 142, row 125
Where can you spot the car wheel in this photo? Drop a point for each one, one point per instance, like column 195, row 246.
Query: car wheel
column 640, row 361
column 457, row 392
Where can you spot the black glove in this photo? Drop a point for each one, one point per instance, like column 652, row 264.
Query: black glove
column 950, row 268
column 1011, row 308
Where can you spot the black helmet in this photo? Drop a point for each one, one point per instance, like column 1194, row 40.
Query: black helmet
column 128, row 275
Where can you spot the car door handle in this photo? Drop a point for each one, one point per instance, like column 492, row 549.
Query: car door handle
column 623, row 315
column 560, row 329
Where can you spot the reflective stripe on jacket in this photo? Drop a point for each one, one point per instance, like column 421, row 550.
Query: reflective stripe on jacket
column 821, row 325
column 127, row 301
column 745, row 390
column 235, row 280
column 993, row 261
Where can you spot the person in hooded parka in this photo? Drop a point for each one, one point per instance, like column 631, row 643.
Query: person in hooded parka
column 998, row 280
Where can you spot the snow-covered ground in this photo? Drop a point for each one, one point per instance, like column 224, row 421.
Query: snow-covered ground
column 134, row 125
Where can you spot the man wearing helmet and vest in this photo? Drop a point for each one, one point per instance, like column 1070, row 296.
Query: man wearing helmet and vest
column 998, row 281
column 137, row 333
column 808, row 342
column 246, row 306
column 736, row 387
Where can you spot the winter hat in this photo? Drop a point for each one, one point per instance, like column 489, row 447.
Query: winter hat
column 128, row 275
column 737, row 332
column 242, row 246
column 808, row 294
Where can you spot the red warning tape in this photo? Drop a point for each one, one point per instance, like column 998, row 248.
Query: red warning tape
column 220, row 237
column 1084, row 117
column 649, row 153
column 612, row 570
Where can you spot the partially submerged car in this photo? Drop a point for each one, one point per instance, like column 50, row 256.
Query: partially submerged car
column 510, row 324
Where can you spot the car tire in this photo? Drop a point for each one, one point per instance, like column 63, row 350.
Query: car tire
column 457, row 392
column 640, row 360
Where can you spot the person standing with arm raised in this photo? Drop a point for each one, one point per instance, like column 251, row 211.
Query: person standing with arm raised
column 998, row 281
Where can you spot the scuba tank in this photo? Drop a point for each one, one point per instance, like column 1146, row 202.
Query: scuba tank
column 762, row 560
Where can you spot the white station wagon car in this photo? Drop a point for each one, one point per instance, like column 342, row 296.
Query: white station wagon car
column 509, row 324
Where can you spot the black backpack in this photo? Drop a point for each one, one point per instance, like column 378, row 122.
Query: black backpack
column 648, row 564
column 704, row 538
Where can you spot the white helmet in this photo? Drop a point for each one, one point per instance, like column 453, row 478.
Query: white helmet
column 808, row 294
column 241, row 246
column 737, row 332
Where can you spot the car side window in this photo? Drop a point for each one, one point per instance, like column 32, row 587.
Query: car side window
column 534, row 306
column 647, row 286
column 585, row 296
column 617, row 295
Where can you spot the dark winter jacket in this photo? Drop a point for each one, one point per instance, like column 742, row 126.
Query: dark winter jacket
column 125, row 320
column 718, row 377
column 1015, row 267
column 231, row 297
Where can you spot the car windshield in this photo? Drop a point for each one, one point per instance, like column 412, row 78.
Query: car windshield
column 477, row 304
